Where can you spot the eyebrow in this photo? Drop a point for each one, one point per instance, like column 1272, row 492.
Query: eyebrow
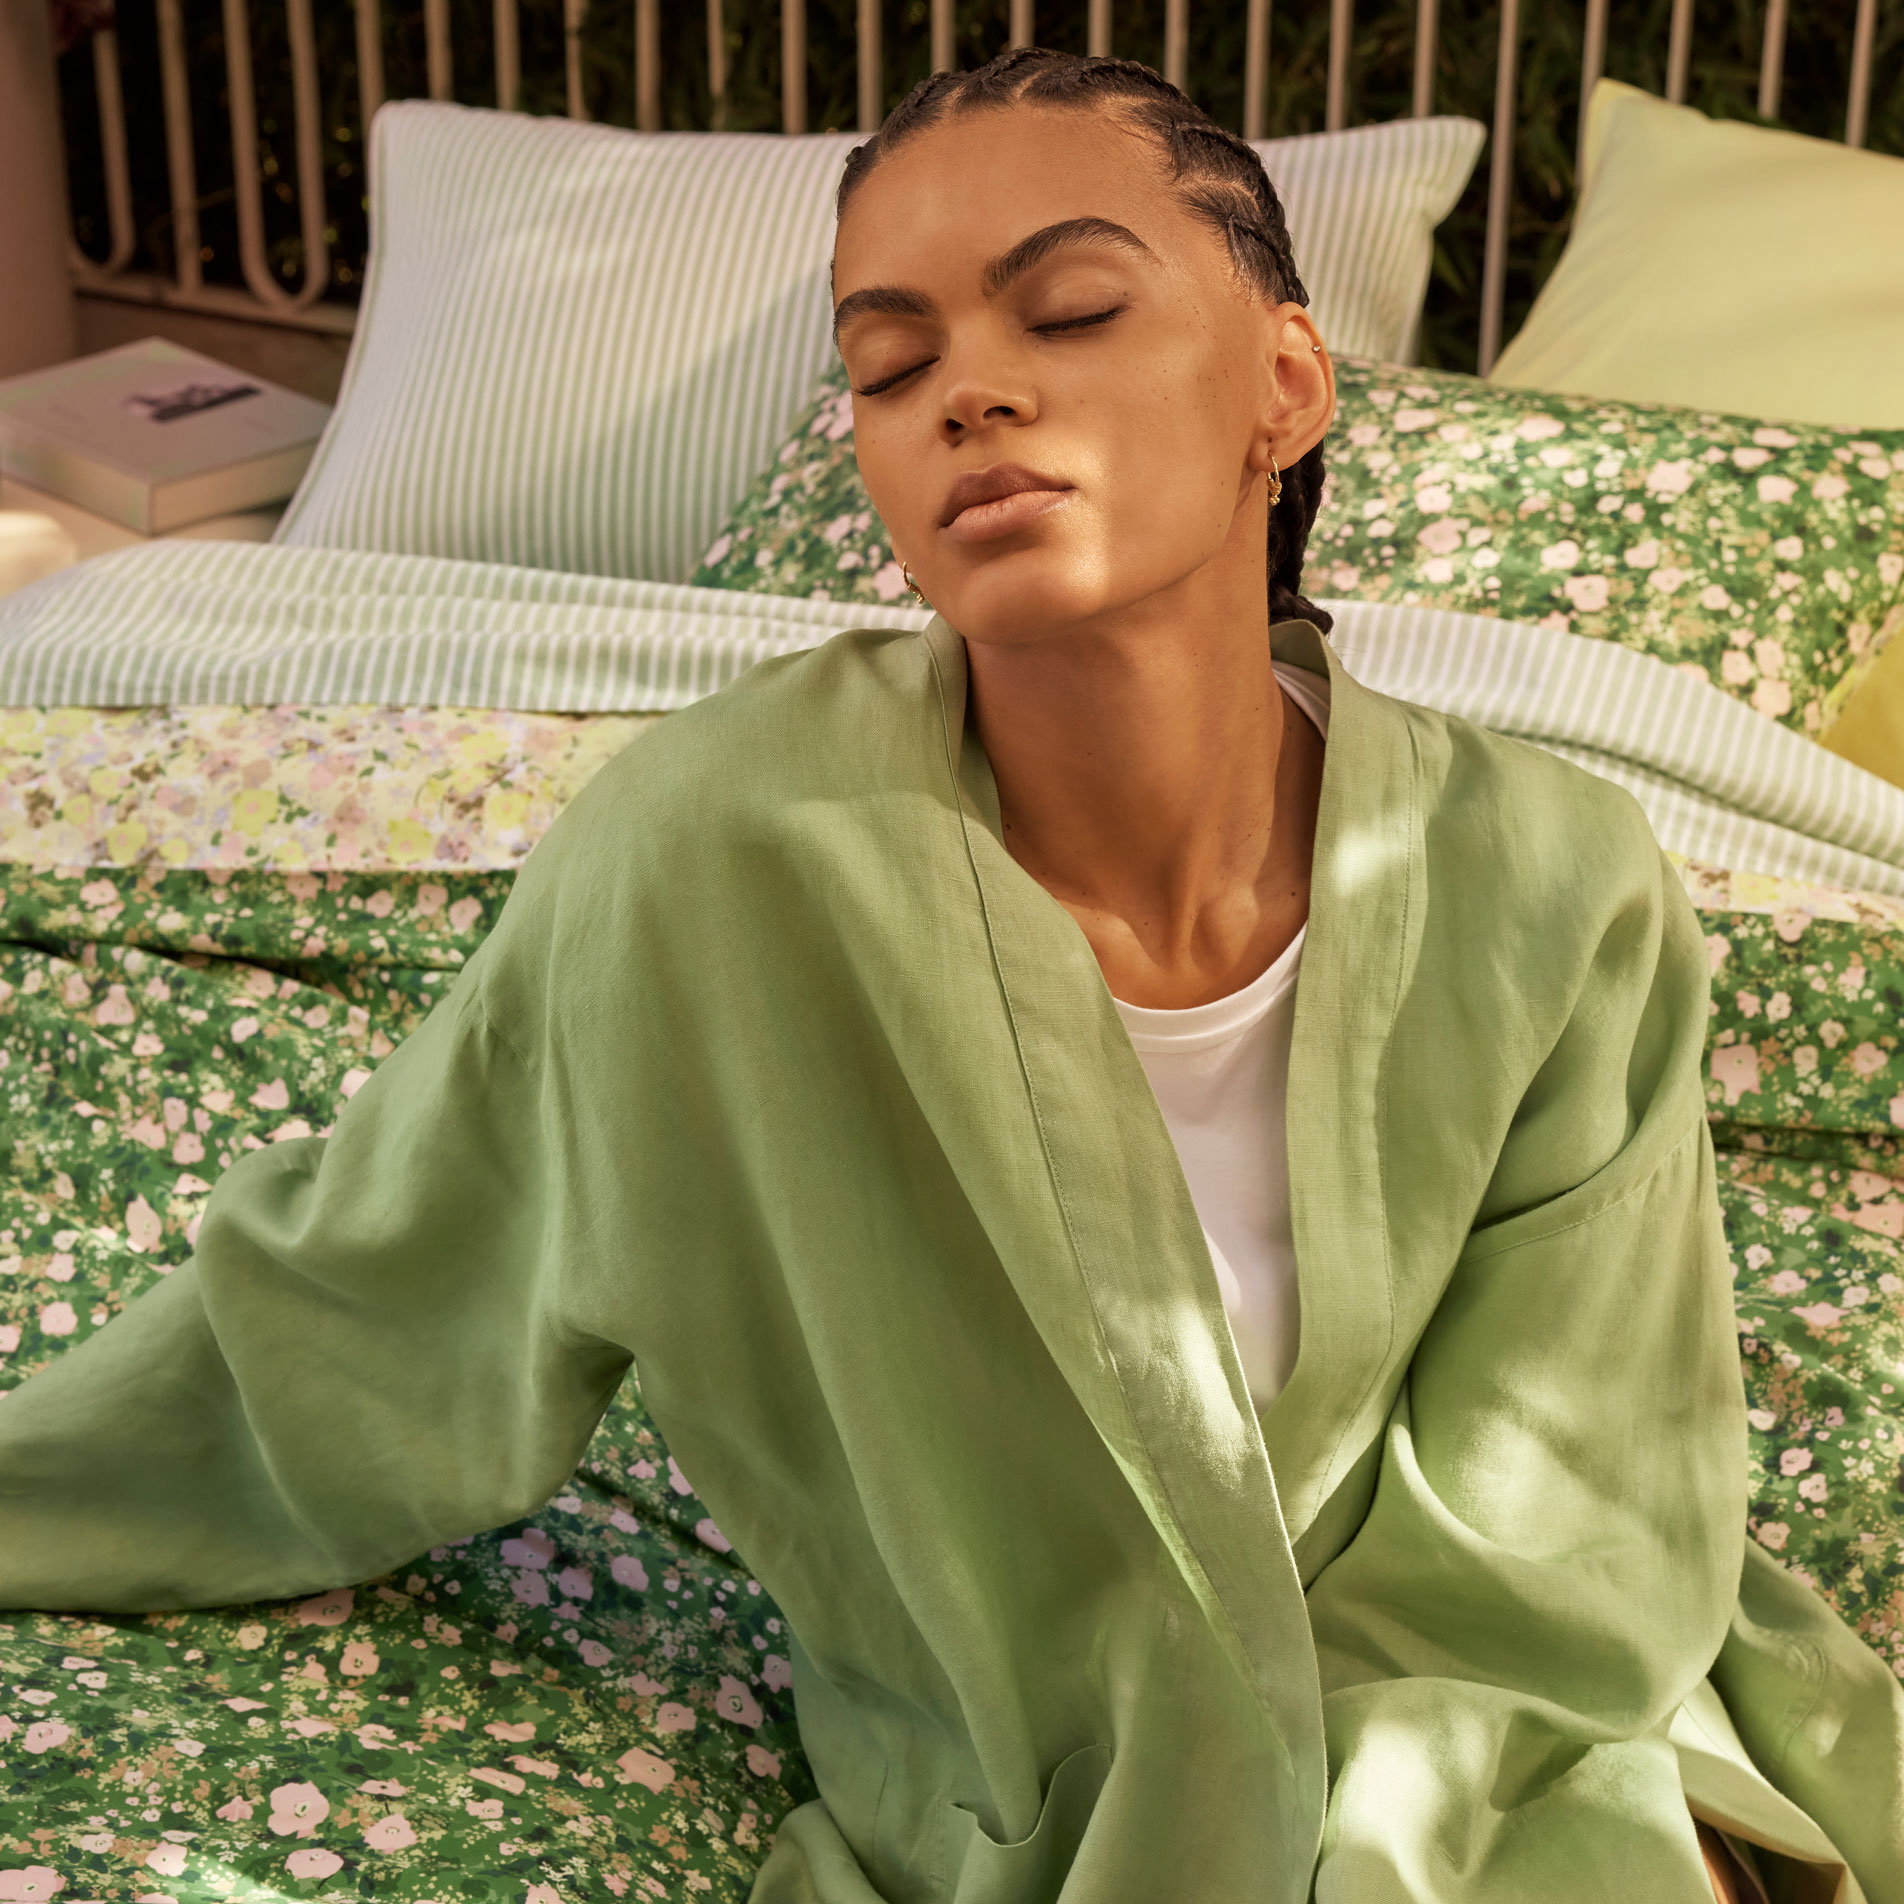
column 893, row 300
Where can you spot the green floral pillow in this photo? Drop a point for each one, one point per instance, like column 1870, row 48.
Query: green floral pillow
column 1768, row 558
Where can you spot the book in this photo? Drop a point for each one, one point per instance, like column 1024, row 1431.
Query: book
column 155, row 436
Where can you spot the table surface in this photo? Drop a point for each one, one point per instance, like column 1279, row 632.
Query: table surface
column 92, row 535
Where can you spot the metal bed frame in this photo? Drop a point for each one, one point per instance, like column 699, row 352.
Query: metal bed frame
column 265, row 299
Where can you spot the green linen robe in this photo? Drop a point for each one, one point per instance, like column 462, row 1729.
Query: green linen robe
column 780, row 1078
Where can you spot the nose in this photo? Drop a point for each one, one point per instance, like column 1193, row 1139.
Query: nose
column 986, row 389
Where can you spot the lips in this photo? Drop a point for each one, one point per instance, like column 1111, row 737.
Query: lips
column 992, row 502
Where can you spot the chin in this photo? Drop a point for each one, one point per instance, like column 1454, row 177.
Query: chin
column 1031, row 595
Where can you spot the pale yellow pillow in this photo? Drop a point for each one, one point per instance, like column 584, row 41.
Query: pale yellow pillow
column 1724, row 267
column 1869, row 728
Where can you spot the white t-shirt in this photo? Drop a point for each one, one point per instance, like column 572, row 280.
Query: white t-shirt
column 1221, row 1075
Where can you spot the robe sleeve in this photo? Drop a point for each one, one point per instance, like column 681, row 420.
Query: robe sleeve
column 1552, row 1552
column 375, row 1348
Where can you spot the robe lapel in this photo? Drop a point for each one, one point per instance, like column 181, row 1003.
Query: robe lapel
column 1365, row 905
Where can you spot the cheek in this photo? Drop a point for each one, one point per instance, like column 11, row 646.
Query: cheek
column 1173, row 451
column 891, row 465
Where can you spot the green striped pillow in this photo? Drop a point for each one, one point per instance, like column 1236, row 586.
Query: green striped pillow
column 1362, row 207
column 577, row 344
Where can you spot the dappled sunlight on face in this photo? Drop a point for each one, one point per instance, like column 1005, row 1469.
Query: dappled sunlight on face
column 1059, row 376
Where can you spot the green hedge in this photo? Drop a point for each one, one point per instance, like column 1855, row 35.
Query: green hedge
column 1724, row 82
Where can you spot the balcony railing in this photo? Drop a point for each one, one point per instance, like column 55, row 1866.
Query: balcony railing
column 264, row 296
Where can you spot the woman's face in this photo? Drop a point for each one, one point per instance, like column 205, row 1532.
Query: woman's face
column 1065, row 397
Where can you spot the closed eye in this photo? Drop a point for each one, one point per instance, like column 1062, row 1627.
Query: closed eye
column 895, row 380
column 1088, row 322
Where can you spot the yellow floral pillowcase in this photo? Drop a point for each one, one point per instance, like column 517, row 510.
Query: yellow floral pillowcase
column 292, row 788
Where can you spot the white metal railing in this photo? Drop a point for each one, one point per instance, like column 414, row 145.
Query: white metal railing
column 265, row 298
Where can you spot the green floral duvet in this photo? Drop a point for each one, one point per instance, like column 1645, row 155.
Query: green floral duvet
column 595, row 1703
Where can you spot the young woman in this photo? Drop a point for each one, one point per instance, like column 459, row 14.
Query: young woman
column 1188, row 1416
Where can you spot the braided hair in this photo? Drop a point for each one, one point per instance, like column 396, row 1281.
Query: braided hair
column 1221, row 180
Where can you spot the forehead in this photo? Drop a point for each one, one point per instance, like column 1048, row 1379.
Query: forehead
column 972, row 186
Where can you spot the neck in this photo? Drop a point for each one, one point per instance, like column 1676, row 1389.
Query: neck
column 1154, row 779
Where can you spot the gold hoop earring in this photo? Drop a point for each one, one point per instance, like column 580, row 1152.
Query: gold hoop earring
column 1275, row 481
column 912, row 588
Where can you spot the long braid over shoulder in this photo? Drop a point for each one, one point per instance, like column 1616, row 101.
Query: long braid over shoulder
column 1221, row 179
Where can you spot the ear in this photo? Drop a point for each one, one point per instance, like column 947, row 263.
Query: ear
column 1301, row 399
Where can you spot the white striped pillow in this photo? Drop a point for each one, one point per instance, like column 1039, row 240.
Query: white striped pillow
column 1362, row 208
column 577, row 344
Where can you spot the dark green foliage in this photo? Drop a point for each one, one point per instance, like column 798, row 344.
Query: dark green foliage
column 1724, row 81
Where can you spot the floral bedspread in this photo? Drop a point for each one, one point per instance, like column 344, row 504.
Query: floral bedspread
column 595, row 1702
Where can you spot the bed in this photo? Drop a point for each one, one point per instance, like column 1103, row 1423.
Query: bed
column 259, row 804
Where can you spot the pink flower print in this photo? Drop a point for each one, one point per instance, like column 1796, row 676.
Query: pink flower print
column 1735, row 1068
column 234, row 1811
column 762, row 1763
column 10, row 1340
column 1897, row 1110
column 542, row 1894
column 272, row 1097
column 327, row 1609
column 1588, row 593
column 1812, row 1488
column 503, row 1781
column 360, row 1658
column 594, row 1653
column 1788, row 1282
column 168, row 1860
column 44, row 1736
column 735, row 1703
column 190, row 1148
column 116, row 1009
column 1774, row 1534
column 58, row 1318
column 33, row 1881
column 1821, row 1315
column 394, row 1833
column 532, row 1549
column 532, row 1589
column 574, row 1584
column 1794, row 1461
column 515, row 1734
column 674, row 1717
column 711, row 1536
column 775, row 1672
column 1867, row 1060
column 143, row 1228
column 542, row 1768
column 627, row 1571
column 1670, row 479
column 465, row 913
column 637, row 1767
column 483, row 1807
column 313, row 1861
column 297, row 1811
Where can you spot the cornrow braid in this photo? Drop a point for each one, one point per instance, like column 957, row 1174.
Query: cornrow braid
column 1221, row 179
